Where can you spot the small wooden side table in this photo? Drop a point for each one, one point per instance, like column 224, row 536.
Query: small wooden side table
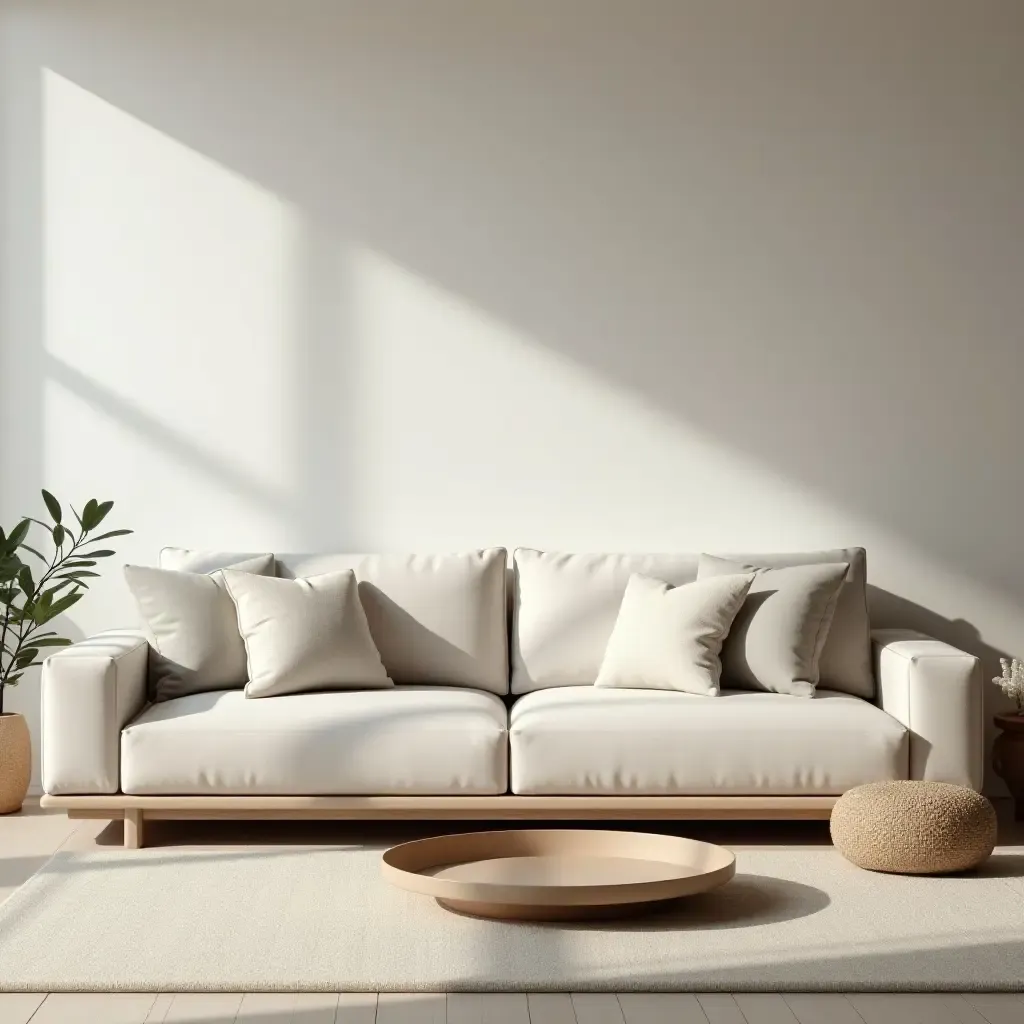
column 1008, row 758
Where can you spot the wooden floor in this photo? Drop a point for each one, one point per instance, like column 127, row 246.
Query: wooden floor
column 553, row 1008
column 28, row 839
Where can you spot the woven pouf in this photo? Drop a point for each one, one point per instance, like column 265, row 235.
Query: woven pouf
column 914, row 828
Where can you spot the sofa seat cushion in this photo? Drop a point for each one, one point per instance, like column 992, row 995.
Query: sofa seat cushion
column 587, row 740
column 405, row 741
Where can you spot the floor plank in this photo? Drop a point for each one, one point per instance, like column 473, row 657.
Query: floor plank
column 356, row 1008
column 600, row 1008
column 411, row 1008
column 18, row 1007
column 720, row 1008
column 203, row 1008
column 287, row 1008
column 764, row 1008
column 158, row 1011
column 27, row 842
column 661, row 1008
column 487, row 1008
column 963, row 1012
column 997, row 1008
column 822, row 1008
column 550, row 1008
column 902, row 1008
column 87, row 1008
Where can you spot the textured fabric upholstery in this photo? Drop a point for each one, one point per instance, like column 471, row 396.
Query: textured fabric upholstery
column 416, row 740
column 89, row 691
column 566, row 605
column 440, row 619
column 191, row 625
column 670, row 638
column 936, row 692
column 305, row 634
column 776, row 640
column 589, row 740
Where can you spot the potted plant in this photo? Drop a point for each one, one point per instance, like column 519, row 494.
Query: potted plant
column 1008, row 750
column 29, row 600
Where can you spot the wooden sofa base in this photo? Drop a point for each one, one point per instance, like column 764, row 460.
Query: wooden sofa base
column 137, row 810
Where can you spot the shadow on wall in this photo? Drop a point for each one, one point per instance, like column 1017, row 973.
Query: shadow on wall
column 891, row 610
column 685, row 275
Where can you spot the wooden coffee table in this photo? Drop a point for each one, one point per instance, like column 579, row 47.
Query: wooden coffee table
column 557, row 874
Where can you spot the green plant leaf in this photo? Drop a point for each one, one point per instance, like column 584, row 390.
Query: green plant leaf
column 17, row 535
column 78, row 574
column 27, row 656
column 52, row 589
column 10, row 566
column 13, row 680
column 60, row 606
column 77, row 516
column 89, row 514
column 77, row 565
column 112, row 533
column 101, row 553
column 101, row 513
column 52, row 641
column 58, row 535
column 52, row 506
column 28, row 586
column 38, row 554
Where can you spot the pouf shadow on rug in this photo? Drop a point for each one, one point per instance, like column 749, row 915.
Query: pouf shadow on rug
column 323, row 919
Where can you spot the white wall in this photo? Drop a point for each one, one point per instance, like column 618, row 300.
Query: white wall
column 578, row 274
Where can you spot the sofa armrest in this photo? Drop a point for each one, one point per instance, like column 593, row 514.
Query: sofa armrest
column 90, row 690
column 935, row 691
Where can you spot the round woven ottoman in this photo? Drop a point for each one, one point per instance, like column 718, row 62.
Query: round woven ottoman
column 914, row 828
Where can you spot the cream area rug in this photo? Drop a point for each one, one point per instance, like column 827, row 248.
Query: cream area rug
column 307, row 919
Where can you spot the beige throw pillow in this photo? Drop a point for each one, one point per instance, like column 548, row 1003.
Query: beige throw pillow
column 776, row 641
column 192, row 629
column 669, row 638
column 305, row 634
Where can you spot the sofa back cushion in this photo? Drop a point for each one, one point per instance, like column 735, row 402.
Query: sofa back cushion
column 436, row 619
column 566, row 604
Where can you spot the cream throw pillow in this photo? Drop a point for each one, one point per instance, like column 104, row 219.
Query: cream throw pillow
column 777, row 638
column 305, row 634
column 193, row 632
column 669, row 638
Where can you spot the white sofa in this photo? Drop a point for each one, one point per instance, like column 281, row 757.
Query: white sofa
column 494, row 715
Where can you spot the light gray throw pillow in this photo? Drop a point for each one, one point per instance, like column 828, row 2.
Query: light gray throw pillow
column 305, row 634
column 192, row 628
column 669, row 638
column 777, row 636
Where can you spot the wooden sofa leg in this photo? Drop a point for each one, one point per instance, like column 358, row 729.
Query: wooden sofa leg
column 134, row 830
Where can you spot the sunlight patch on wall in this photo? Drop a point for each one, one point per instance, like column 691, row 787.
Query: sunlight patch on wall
column 466, row 421
column 167, row 295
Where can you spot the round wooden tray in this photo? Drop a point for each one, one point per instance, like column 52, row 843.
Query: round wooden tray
column 556, row 874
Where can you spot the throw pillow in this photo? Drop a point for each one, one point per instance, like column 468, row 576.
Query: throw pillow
column 776, row 640
column 305, row 634
column 669, row 638
column 192, row 628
